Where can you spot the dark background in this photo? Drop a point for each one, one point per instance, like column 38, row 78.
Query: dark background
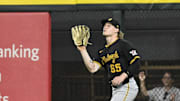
column 154, row 33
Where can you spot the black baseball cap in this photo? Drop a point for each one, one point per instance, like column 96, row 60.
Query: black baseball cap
column 112, row 21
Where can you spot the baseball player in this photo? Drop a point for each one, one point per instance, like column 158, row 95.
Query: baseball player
column 119, row 58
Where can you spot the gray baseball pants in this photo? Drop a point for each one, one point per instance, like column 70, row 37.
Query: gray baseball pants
column 126, row 92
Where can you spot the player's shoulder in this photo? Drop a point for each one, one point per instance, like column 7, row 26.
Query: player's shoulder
column 124, row 42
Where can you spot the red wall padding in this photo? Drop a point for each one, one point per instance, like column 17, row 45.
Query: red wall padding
column 25, row 56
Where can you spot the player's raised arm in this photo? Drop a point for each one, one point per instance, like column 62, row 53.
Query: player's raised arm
column 80, row 36
column 91, row 66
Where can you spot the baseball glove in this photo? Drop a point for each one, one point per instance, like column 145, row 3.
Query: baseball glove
column 80, row 35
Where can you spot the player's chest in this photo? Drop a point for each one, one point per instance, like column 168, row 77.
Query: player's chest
column 111, row 55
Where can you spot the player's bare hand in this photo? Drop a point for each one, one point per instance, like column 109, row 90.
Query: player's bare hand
column 81, row 48
column 142, row 76
column 119, row 79
column 116, row 81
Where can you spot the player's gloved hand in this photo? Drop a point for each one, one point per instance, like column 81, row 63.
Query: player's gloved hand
column 80, row 35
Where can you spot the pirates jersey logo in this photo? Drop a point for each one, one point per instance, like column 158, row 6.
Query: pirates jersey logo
column 110, row 57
